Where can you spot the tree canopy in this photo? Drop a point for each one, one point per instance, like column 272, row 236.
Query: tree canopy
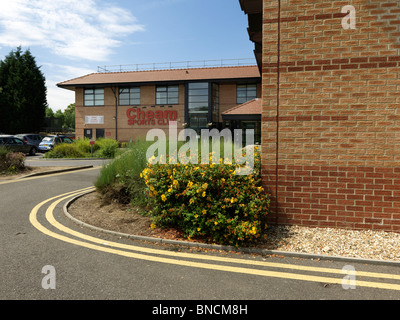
column 22, row 93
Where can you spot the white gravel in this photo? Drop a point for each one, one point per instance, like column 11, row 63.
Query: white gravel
column 365, row 244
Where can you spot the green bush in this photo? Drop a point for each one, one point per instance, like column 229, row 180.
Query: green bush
column 208, row 201
column 84, row 145
column 106, row 147
column 81, row 148
column 66, row 150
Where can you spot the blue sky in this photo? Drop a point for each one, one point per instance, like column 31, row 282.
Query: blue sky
column 70, row 38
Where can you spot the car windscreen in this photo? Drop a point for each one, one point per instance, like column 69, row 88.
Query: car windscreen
column 48, row 139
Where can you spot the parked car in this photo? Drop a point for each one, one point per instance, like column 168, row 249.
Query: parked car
column 31, row 138
column 17, row 145
column 49, row 142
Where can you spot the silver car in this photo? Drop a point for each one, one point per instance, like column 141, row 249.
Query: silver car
column 30, row 138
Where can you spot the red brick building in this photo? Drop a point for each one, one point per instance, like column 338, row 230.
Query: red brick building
column 330, row 110
column 126, row 105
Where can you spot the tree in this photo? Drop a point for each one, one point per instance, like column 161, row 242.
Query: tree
column 22, row 93
column 69, row 117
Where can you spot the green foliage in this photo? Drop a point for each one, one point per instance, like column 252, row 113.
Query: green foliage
column 22, row 93
column 66, row 150
column 120, row 179
column 107, row 147
column 208, row 201
column 81, row 148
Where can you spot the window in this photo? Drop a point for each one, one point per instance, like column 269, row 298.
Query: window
column 215, row 102
column 198, row 103
column 246, row 92
column 167, row 95
column 94, row 97
column 129, row 96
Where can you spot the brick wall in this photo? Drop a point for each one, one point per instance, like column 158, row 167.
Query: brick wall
column 331, row 113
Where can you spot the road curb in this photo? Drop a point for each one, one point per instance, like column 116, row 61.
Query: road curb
column 55, row 171
column 224, row 247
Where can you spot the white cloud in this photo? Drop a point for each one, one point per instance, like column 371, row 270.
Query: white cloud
column 58, row 98
column 75, row 29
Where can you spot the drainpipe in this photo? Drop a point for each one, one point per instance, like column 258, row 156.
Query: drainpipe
column 114, row 90
column 277, row 110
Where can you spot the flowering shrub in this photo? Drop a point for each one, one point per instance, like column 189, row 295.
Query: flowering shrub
column 11, row 162
column 208, row 201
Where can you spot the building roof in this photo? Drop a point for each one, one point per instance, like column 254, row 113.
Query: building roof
column 249, row 109
column 171, row 75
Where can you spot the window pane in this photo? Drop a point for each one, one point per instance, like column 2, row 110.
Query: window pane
column 172, row 95
column 197, row 92
column 199, row 85
column 161, row 101
column 173, row 89
column 241, row 100
column 198, row 99
column 161, row 95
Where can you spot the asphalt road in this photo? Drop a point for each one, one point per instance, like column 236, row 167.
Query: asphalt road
column 35, row 256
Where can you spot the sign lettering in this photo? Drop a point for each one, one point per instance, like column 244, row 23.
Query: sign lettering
column 137, row 116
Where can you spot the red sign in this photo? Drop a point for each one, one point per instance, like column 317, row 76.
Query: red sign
column 137, row 116
column 92, row 142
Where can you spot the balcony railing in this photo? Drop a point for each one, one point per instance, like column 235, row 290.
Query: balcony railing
column 178, row 65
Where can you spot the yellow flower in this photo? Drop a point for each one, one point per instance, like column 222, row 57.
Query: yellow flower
column 152, row 226
column 205, row 185
column 198, row 229
column 204, row 194
column 163, row 198
column 191, row 201
column 215, row 222
column 190, row 184
column 222, row 180
column 175, row 183
column 196, row 216
column 260, row 189
column 151, row 188
column 204, row 211
column 233, row 200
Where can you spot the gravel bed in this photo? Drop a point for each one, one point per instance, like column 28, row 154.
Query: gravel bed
column 365, row 244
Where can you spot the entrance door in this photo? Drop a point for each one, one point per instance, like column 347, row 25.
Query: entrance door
column 99, row 133
column 88, row 133
column 256, row 126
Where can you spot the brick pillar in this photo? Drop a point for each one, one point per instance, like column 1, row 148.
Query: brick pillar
column 331, row 116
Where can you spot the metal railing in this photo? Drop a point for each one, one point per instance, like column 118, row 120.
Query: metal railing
column 178, row 65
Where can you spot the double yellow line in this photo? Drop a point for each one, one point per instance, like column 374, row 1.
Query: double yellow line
column 176, row 258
